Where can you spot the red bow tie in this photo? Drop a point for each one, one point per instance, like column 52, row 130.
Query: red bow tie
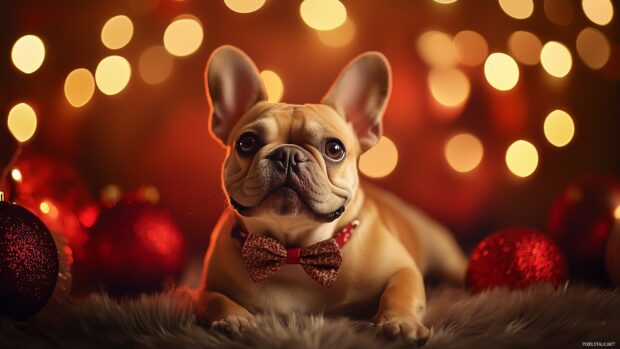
column 263, row 256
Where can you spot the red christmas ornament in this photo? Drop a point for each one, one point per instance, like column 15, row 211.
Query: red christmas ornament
column 56, row 192
column 516, row 257
column 135, row 247
column 28, row 262
column 581, row 220
column 46, row 177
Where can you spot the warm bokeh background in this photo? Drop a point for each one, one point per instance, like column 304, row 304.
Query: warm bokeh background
column 156, row 134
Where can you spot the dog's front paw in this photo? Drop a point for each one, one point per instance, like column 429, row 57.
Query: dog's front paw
column 405, row 327
column 234, row 324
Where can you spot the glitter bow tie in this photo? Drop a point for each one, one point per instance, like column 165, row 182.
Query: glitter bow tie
column 263, row 255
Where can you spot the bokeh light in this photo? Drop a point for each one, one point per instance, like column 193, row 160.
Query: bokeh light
column 560, row 12
column 44, row 207
column 117, row 32
column 380, row 160
column 79, row 87
column 110, row 194
column 16, row 174
column 525, row 47
column 593, row 48
column 155, row 65
column 273, row 85
column 340, row 36
column 244, row 6
column 464, row 152
column 436, row 49
column 522, row 158
column 559, row 128
column 598, row 11
column 48, row 208
column 183, row 36
column 323, row 14
column 149, row 193
column 519, row 9
column 28, row 53
column 556, row 59
column 617, row 212
column 470, row 47
column 449, row 86
column 501, row 71
column 22, row 122
column 112, row 74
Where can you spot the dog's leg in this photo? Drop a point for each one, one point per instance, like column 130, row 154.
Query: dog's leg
column 402, row 306
column 222, row 313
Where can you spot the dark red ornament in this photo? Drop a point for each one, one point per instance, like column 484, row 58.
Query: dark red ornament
column 135, row 247
column 516, row 257
column 581, row 220
column 28, row 262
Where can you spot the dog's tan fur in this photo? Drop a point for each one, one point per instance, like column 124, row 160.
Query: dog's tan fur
column 384, row 261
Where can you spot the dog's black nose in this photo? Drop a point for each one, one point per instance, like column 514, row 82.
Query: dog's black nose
column 288, row 156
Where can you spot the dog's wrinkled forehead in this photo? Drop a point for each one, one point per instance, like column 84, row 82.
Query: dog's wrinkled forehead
column 293, row 123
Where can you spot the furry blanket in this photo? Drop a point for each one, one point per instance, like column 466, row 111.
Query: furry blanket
column 536, row 317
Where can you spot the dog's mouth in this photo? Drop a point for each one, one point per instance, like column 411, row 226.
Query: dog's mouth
column 288, row 199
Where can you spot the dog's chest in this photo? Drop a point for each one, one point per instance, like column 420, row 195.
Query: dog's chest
column 292, row 290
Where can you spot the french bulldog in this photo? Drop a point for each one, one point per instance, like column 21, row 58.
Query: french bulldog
column 302, row 233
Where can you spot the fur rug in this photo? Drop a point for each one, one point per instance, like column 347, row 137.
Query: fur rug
column 536, row 317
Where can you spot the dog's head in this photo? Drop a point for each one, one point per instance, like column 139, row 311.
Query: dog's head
column 294, row 160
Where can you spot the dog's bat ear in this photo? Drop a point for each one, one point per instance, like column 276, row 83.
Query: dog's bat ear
column 360, row 95
column 233, row 86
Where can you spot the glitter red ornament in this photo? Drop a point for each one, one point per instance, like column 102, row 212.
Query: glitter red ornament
column 516, row 257
column 28, row 262
column 581, row 220
column 134, row 247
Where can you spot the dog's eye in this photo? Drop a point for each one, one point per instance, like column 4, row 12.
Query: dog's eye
column 247, row 144
column 334, row 150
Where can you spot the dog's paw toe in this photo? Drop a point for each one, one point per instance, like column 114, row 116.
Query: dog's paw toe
column 234, row 324
column 405, row 327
